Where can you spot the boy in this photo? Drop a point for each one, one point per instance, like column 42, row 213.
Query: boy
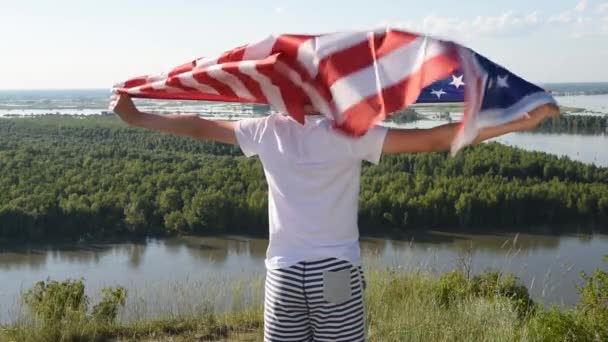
column 314, row 281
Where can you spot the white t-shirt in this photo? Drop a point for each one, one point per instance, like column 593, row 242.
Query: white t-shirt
column 313, row 174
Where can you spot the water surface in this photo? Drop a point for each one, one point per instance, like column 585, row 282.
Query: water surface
column 171, row 273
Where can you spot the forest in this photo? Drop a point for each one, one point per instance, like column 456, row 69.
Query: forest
column 575, row 124
column 93, row 177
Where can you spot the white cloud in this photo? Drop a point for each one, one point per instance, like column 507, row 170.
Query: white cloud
column 581, row 6
column 279, row 9
column 465, row 28
column 575, row 22
column 531, row 18
column 562, row 18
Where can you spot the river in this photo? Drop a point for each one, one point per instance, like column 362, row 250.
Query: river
column 590, row 149
column 165, row 275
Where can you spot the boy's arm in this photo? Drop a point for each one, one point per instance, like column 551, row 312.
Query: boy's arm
column 184, row 125
column 440, row 138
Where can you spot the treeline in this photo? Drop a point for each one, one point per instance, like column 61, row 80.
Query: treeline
column 67, row 177
column 575, row 124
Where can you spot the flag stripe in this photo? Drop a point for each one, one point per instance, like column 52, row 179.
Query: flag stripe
column 270, row 91
column 186, row 67
column 345, row 62
column 286, row 87
column 399, row 95
column 202, row 76
column 249, row 82
column 384, row 72
column 321, row 47
column 239, row 89
column 233, row 55
column 314, row 95
column 186, row 81
column 260, row 50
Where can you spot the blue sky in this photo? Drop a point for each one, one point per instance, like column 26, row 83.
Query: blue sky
column 93, row 44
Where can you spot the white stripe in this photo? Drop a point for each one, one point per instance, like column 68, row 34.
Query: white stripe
column 473, row 96
column 271, row 92
column 230, row 80
column 312, row 52
column 205, row 62
column 187, row 80
column 387, row 71
column 157, row 84
column 317, row 100
column 156, row 78
column 260, row 49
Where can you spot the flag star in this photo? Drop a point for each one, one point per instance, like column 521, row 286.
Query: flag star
column 438, row 93
column 501, row 82
column 457, row 81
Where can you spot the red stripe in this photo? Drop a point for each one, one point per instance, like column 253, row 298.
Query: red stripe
column 163, row 94
column 360, row 117
column 360, row 56
column 148, row 89
column 293, row 97
column 288, row 46
column 202, row 77
column 177, row 83
column 186, row 67
column 136, row 82
column 252, row 85
column 234, row 55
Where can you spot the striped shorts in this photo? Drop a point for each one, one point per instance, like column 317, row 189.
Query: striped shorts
column 315, row 301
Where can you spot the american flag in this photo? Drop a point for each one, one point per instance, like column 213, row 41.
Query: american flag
column 356, row 79
column 493, row 95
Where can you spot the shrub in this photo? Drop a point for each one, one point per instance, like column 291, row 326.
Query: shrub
column 593, row 302
column 107, row 309
column 492, row 284
column 556, row 325
column 56, row 303
column 450, row 287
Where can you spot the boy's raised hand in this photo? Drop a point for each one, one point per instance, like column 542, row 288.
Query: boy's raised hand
column 124, row 107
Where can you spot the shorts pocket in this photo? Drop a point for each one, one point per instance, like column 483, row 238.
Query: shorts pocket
column 336, row 286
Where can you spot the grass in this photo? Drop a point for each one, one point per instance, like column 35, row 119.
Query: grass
column 400, row 306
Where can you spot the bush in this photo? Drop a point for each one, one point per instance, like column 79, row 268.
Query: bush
column 107, row 309
column 491, row 284
column 593, row 302
column 57, row 303
column 556, row 325
column 455, row 286
column 450, row 287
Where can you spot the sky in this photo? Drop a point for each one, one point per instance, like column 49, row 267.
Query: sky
column 94, row 44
